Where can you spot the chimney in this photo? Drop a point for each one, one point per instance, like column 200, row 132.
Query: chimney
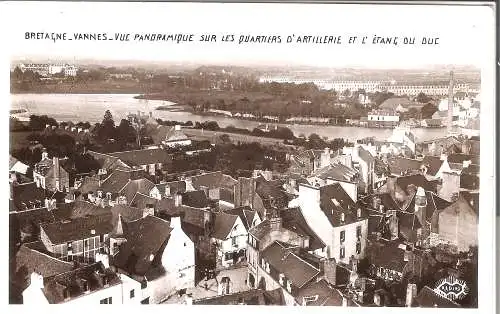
column 275, row 223
column 47, row 126
column 466, row 163
column 344, row 301
column 178, row 200
column 394, row 226
column 36, row 280
column 103, row 258
column 45, row 155
column 189, row 299
column 376, row 299
column 329, row 268
column 175, row 223
column 450, row 185
column 411, row 293
column 443, row 156
column 80, row 130
column 177, row 127
column 151, row 114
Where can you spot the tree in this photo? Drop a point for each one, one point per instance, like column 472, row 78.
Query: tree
column 107, row 127
column 423, row 98
column 428, row 110
column 125, row 132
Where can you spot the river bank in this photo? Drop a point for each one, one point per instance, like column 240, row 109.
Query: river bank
column 91, row 108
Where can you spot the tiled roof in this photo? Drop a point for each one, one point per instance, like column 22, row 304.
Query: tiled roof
column 143, row 157
column 250, row 297
column 271, row 193
column 337, row 172
column 428, row 298
column 27, row 196
column 286, row 262
column 29, row 259
column 294, row 220
column 388, row 255
column 146, row 238
column 334, row 201
column 128, row 213
column 142, row 185
column 326, row 295
column 399, row 165
column 261, row 230
column 175, row 187
column 417, row 180
column 195, row 199
column 77, row 228
column 223, row 225
column 460, row 158
column 433, row 164
column 29, row 221
column 213, row 180
column 394, row 102
column 79, row 209
column 108, row 162
column 246, row 215
column 366, row 155
column 89, row 184
column 143, row 201
column 116, row 181
column 73, row 282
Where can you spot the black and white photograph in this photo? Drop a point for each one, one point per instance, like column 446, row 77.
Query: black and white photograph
column 261, row 154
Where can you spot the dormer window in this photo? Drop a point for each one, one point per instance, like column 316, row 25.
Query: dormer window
column 282, row 279
column 342, row 217
column 289, row 286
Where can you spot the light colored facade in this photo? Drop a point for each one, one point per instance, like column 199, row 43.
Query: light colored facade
column 342, row 241
column 47, row 69
column 234, row 243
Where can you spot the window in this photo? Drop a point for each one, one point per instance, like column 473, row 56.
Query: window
column 342, row 252
column 233, row 241
column 144, row 284
column 358, row 232
column 86, row 243
column 342, row 236
column 358, row 247
column 101, row 238
column 107, row 301
column 132, row 293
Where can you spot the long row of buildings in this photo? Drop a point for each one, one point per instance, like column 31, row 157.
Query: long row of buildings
column 48, row 69
column 397, row 88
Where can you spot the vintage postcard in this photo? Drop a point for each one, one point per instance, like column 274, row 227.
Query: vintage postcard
column 337, row 155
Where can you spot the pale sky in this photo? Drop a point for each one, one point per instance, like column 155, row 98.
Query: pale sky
column 465, row 32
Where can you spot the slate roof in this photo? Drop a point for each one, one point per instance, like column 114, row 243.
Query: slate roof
column 282, row 258
column 72, row 281
column 80, row 209
column 223, row 225
column 145, row 237
column 174, row 135
column 433, row 164
column 25, row 193
column 399, row 165
column 143, row 157
column 12, row 161
column 89, row 184
column 408, row 225
column 327, row 295
column 246, row 215
column 271, row 193
column 434, row 203
column 334, row 201
column 461, row 205
column 428, row 298
column 29, row 221
column 294, row 220
column 77, row 228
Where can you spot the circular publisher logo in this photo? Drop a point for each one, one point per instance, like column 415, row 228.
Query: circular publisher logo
column 452, row 288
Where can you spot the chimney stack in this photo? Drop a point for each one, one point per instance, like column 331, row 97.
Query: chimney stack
column 178, row 200
column 411, row 293
column 329, row 268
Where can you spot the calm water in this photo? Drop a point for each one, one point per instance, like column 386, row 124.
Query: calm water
column 91, row 108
